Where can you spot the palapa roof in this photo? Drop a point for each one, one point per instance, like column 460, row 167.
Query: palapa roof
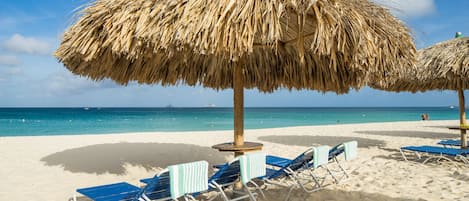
column 325, row 45
column 443, row 66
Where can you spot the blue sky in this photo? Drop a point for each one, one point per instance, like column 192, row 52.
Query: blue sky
column 31, row 77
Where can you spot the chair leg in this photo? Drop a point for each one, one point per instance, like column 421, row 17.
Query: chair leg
column 221, row 191
column 74, row 197
column 289, row 193
column 251, row 195
column 462, row 158
column 344, row 174
column 294, row 182
column 341, row 169
column 344, row 170
column 258, row 188
column 299, row 184
column 403, row 155
column 332, row 175
column 189, row 197
column 144, row 198
column 315, row 179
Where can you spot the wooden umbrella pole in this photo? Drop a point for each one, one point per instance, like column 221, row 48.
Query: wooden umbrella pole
column 238, row 98
column 462, row 117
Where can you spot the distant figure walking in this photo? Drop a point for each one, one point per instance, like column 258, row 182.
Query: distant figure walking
column 425, row 116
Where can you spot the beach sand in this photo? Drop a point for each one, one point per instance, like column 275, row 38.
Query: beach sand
column 50, row 168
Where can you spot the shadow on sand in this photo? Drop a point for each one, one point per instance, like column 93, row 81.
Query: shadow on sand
column 415, row 134
column 304, row 140
column 394, row 154
column 444, row 127
column 110, row 158
column 326, row 195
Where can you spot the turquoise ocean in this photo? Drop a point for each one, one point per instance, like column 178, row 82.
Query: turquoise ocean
column 71, row 121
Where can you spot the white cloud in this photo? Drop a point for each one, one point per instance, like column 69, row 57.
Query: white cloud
column 19, row 18
column 409, row 8
column 10, row 73
column 66, row 83
column 9, row 60
column 14, row 71
column 29, row 45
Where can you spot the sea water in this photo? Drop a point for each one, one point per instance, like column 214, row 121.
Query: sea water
column 68, row 121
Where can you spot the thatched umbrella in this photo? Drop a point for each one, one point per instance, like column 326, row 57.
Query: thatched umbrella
column 443, row 66
column 325, row 45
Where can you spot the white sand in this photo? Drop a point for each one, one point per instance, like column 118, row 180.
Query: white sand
column 52, row 167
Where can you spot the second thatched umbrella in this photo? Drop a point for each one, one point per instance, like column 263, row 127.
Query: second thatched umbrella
column 325, row 45
column 443, row 66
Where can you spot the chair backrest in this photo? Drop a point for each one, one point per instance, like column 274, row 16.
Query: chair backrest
column 336, row 151
column 351, row 150
column 301, row 161
column 252, row 166
column 226, row 174
column 157, row 188
column 188, row 178
column 320, row 156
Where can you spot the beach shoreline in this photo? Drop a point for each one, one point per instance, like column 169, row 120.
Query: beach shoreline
column 77, row 121
column 222, row 130
column 54, row 166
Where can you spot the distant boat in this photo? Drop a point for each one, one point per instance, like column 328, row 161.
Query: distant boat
column 451, row 106
column 169, row 106
column 211, row 105
column 86, row 108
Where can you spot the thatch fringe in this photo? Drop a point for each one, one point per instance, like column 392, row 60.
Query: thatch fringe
column 327, row 45
column 443, row 66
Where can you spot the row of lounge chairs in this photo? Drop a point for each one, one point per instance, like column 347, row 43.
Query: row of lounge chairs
column 186, row 181
column 448, row 152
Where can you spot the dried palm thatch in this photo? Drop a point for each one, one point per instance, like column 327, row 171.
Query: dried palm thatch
column 443, row 66
column 326, row 45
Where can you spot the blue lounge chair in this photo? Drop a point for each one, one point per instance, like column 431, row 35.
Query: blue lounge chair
column 451, row 143
column 437, row 153
column 252, row 166
column 334, row 154
column 285, row 168
column 227, row 175
column 297, row 173
column 169, row 184
column 118, row 191
column 349, row 150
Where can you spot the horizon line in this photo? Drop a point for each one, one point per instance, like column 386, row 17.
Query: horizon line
column 221, row 107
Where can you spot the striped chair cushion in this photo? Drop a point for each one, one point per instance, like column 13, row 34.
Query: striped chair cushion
column 252, row 166
column 350, row 150
column 188, row 178
column 321, row 156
